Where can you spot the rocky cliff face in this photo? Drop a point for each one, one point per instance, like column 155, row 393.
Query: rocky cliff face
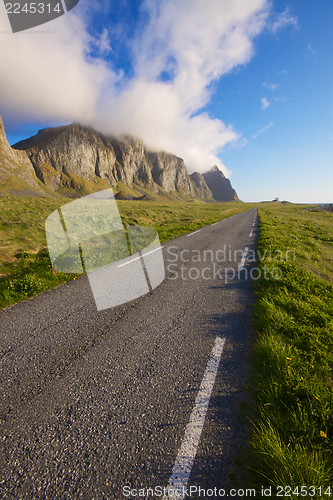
column 62, row 155
column 219, row 185
column 66, row 156
column 59, row 156
column 202, row 189
column 16, row 170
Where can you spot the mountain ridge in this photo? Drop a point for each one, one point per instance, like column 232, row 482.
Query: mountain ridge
column 72, row 159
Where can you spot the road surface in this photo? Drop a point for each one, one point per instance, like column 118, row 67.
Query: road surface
column 95, row 404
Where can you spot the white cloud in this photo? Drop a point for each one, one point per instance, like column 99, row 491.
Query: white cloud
column 239, row 144
column 271, row 86
column 196, row 43
column 281, row 21
column 311, row 49
column 263, row 130
column 103, row 43
column 282, row 99
column 49, row 77
column 264, row 103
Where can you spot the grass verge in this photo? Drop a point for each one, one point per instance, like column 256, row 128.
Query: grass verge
column 292, row 443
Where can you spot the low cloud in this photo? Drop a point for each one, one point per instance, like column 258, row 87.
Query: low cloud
column 264, row 103
column 51, row 78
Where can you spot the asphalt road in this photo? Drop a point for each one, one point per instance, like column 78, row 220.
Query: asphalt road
column 93, row 401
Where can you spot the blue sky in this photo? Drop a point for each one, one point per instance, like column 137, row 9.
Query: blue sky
column 246, row 85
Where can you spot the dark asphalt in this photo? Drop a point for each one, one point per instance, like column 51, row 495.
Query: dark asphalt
column 94, row 401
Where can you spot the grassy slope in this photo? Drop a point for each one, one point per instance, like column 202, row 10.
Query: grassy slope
column 293, row 356
column 25, row 267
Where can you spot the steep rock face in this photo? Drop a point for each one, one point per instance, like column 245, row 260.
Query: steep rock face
column 15, row 164
column 64, row 156
column 200, row 185
column 219, row 185
column 170, row 173
column 134, row 166
column 61, row 155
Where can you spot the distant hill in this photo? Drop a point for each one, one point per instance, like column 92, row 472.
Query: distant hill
column 74, row 160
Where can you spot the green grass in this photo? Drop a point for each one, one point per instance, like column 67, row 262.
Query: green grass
column 22, row 228
column 13, row 184
column 292, row 442
column 25, row 267
column 172, row 219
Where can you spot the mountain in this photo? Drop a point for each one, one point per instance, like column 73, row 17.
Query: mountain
column 72, row 156
column 219, row 185
column 75, row 160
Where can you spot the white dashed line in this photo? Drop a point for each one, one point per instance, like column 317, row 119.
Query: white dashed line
column 242, row 262
column 137, row 258
column 191, row 234
column 214, row 223
column 128, row 262
column 182, row 469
